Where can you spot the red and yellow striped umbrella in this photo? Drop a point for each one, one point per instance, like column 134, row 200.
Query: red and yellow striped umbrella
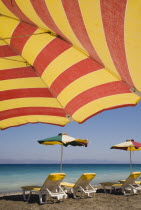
column 67, row 60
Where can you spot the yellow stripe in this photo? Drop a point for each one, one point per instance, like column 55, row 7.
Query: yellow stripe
column 32, row 119
column 58, row 14
column 7, row 31
column 29, row 102
column 52, row 143
column 34, row 46
column 32, row 82
column 5, row 11
column 104, row 103
column 61, row 63
column 12, row 62
column 133, row 149
column 133, row 40
column 90, row 80
column 27, row 8
column 93, row 23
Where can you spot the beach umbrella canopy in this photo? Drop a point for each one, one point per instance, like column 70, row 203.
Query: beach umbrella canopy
column 64, row 140
column 128, row 145
column 63, row 61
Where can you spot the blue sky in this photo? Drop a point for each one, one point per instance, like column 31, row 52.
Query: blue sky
column 19, row 144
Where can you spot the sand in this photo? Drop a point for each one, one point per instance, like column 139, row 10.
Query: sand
column 101, row 201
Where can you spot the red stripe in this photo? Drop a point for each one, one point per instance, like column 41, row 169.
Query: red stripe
column 49, row 53
column 73, row 73
column 95, row 93
column 136, row 144
column 113, row 16
column 21, row 30
column 22, row 72
column 41, row 9
column 25, row 93
column 75, row 19
column 31, row 111
column 6, row 51
column 13, row 7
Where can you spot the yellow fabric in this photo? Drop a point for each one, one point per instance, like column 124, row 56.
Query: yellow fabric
column 53, row 177
column 107, row 183
column 133, row 40
column 90, row 80
column 29, row 102
column 51, row 143
column 36, row 118
column 56, row 176
column 85, row 176
column 82, row 140
column 29, row 11
column 96, row 34
column 137, row 182
column 55, row 68
column 67, row 184
column 96, row 47
column 88, row 176
column 104, row 103
column 58, row 14
column 31, row 50
column 34, row 188
column 117, row 185
column 133, row 149
column 133, row 175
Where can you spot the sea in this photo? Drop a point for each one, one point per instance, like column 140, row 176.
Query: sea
column 13, row 176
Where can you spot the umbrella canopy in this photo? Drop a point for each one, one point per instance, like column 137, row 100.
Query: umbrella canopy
column 56, row 67
column 128, row 145
column 64, row 140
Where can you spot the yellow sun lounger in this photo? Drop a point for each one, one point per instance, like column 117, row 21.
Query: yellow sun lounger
column 128, row 187
column 50, row 189
column 82, row 186
column 136, row 182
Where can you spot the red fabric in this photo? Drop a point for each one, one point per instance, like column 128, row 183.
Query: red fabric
column 136, row 144
column 113, row 18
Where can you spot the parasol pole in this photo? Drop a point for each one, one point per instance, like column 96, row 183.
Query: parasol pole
column 130, row 160
column 61, row 158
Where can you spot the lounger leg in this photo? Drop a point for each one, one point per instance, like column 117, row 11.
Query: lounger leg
column 112, row 188
column 41, row 198
column 26, row 197
column 104, row 189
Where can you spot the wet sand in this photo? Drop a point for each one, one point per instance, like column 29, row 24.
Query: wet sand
column 101, row 201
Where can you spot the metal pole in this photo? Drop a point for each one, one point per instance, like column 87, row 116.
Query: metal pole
column 130, row 161
column 61, row 158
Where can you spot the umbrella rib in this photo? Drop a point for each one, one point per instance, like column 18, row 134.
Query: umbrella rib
column 14, row 37
column 16, row 60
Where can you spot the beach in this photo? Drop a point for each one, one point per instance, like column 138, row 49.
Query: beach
column 12, row 177
column 100, row 201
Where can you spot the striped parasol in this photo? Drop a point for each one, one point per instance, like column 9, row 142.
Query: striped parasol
column 64, row 140
column 68, row 60
column 128, row 145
